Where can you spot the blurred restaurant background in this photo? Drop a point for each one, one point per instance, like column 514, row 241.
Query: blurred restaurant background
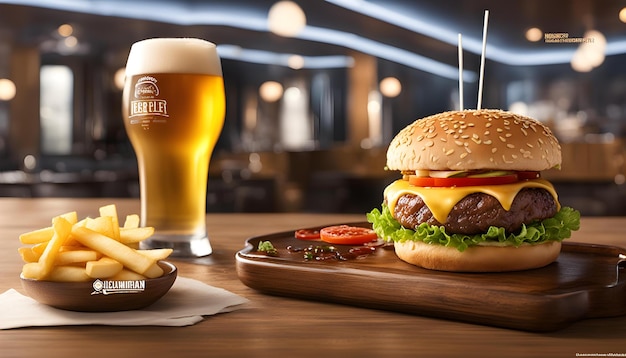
column 315, row 92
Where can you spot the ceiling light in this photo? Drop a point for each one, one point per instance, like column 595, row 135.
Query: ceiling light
column 622, row 15
column 65, row 30
column 390, row 87
column 271, row 91
column 590, row 53
column 70, row 41
column 295, row 62
column 7, row 89
column 286, row 18
column 534, row 34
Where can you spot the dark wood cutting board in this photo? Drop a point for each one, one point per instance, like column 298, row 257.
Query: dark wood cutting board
column 587, row 281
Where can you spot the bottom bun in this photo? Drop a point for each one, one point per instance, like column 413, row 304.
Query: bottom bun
column 478, row 258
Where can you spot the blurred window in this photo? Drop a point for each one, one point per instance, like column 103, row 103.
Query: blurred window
column 56, row 109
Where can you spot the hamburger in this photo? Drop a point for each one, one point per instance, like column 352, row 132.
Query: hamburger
column 471, row 197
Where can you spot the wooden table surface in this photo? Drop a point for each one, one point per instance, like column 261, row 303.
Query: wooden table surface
column 284, row 327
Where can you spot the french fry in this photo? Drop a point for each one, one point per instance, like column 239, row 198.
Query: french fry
column 104, row 268
column 37, row 236
column 103, row 225
column 127, row 275
column 32, row 270
column 62, row 229
column 130, row 236
column 28, row 255
column 111, row 211
column 71, row 217
column 68, row 274
column 76, row 256
column 131, row 222
column 39, row 248
column 114, row 249
column 156, row 254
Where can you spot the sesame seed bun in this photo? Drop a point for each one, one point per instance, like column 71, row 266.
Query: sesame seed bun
column 474, row 139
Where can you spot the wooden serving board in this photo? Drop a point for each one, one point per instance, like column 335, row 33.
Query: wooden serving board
column 587, row 281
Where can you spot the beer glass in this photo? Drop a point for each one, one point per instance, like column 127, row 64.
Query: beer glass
column 173, row 108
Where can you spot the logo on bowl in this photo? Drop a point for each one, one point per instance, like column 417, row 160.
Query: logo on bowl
column 107, row 287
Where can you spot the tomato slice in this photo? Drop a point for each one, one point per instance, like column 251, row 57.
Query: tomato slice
column 421, row 181
column 463, row 181
column 525, row 175
column 307, row 234
column 347, row 235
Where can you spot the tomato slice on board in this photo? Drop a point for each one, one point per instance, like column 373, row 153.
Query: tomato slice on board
column 463, row 181
column 347, row 235
column 307, row 234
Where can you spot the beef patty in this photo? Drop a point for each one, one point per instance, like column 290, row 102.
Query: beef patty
column 475, row 213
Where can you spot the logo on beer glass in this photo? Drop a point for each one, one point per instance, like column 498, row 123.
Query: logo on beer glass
column 146, row 103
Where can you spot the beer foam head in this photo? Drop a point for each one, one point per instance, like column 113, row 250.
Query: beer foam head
column 173, row 55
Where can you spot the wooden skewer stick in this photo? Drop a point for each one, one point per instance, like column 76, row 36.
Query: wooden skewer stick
column 461, row 72
column 482, row 61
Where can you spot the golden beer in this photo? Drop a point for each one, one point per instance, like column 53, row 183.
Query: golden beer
column 173, row 108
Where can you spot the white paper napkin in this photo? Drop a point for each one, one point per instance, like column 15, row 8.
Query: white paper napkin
column 185, row 304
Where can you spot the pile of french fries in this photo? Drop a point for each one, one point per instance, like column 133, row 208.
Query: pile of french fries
column 77, row 251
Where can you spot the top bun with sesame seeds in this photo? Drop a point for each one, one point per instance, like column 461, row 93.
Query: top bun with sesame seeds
column 471, row 197
column 472, row 140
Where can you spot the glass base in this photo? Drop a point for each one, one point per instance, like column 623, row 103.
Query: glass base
column 183, row 245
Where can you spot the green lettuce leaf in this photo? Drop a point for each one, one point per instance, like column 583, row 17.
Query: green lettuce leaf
column 556, row 228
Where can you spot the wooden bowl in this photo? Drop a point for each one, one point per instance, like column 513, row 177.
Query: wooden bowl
column 102, row 295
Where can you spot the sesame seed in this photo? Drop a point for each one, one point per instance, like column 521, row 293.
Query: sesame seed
column 488, row 141
column 509, row 145
column 463, row 155
column 502, row 138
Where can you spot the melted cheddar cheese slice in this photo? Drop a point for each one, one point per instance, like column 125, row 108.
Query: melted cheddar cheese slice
column 441, row 200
